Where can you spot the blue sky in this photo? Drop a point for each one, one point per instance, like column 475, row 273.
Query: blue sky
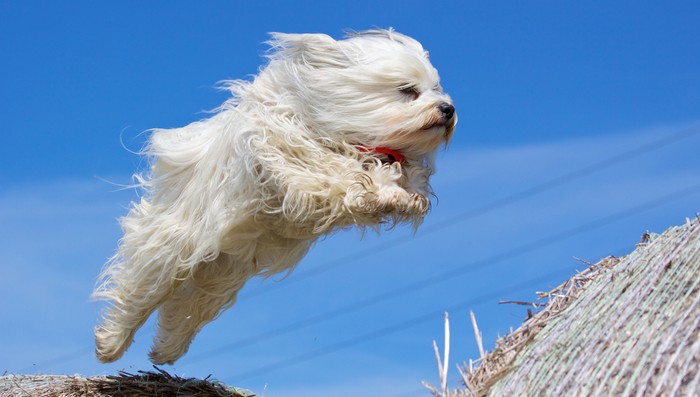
column 579, row 129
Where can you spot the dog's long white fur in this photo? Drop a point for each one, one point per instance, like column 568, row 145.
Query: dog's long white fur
column 248, row 191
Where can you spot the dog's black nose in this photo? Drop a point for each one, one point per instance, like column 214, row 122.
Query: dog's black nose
column 447, row 110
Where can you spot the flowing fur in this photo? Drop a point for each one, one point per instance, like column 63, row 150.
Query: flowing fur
column 249, row 190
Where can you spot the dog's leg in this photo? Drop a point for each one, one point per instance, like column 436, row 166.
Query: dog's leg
column 135, row 294
column 210, row 290
column 380, row 193
column 145, row 271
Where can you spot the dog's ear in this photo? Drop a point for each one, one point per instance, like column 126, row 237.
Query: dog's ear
column 316, row 50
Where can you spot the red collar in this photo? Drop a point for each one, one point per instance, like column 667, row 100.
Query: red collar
column 394, row 155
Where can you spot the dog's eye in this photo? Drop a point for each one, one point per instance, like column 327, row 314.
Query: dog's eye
column 410, row 91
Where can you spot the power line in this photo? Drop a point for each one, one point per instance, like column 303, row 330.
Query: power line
column 412, row 393
column 471, row 302
column 391, row 243
column 60, row 359
column 409, row 323
column 449, row 274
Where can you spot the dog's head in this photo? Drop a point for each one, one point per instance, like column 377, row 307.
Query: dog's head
column 375, row 88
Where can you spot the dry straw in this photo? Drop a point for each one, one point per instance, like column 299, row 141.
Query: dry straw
column 143, row 384
column 625, row 326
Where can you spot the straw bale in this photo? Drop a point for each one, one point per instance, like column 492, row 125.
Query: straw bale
column 145, row 383
column 624, row 326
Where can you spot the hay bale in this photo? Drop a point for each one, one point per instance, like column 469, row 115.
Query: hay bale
column 143, row 384
column 627, row 326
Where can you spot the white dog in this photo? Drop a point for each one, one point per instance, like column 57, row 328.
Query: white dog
column 329, row 135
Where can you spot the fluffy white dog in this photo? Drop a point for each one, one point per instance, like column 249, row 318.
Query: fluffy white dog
column 330, row 134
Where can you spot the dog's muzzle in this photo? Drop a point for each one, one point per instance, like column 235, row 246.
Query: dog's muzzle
column 447, row 111
column 443, row 117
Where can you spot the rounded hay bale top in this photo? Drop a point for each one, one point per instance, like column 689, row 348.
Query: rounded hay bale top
column 625, row 326
column 124, row 384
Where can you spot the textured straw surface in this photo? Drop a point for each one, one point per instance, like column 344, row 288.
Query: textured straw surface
column 145, row 383
column 628, row 326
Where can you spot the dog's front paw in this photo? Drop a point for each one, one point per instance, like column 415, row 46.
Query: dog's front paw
column 417, row 205
column 388, row 200
column 405, row 203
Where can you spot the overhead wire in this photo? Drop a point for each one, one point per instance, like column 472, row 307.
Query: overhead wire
column 461, row 270
column 412, row 322
column 396, row 327
column 391, row 243
column 425, row 230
